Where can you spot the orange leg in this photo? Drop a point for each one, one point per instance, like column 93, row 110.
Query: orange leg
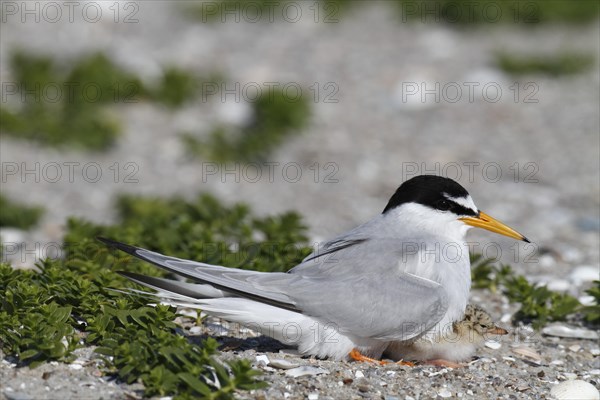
column 357, row 356
column 442, row 363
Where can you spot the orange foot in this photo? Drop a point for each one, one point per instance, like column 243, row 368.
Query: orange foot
column 357, row 356
column 442, row 363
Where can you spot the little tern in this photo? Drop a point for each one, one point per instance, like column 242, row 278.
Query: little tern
column 402, row 276
column 460, row 344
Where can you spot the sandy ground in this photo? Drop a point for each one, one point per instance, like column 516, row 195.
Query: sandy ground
column 526, row 148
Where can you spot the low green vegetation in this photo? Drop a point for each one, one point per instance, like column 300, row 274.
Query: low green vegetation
column 552, row 65
column 275, row 116
column 539, row 305
column 45, row 316
column 55, row 103
column 69, row 303
column 18, row 216
column 457, row 12
column 531, row 12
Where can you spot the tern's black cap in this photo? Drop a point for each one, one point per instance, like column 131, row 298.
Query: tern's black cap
column 431, row 191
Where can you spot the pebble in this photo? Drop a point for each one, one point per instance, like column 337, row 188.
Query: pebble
column 445, row 393
column 195, row 330
column 559, row 285
column 75, row 366
column 584, row 273
column 575, row 348
column 587, row 300
column 359, row 374
column 313, row 396
column 575, row 389
column 262, row 360
column 561, row 330
column 11, row 395
column 492, row 344
column 305, row 370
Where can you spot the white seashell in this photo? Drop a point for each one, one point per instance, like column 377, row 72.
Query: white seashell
column 492, row 344
column 570, row 332
column 283, row 364
column 575, row 389
column 305, row 370
column 528, row 353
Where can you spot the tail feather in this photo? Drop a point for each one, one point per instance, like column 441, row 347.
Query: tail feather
column 260, row 286
column 189, row 290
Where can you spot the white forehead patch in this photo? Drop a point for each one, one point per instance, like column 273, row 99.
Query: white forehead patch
column 466, row 202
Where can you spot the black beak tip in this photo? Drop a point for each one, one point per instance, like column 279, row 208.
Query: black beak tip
column 526, row 240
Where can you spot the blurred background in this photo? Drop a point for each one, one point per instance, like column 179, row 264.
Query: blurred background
column 323, row 108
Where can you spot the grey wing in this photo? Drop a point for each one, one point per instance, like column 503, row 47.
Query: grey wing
column 363, row 286
column 360, row 289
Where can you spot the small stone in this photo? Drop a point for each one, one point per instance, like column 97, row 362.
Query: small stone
column 313, row 396
column 262, row 360
column 364, row 388
column 75, row 366
column 587, row 300
column 492, row 344
column 575, row 348
column 541, row 374
column 584, row 273
column 195, row 330
column 559, row 285
column 359, row 374
column 595, row 352
column 347, row 381
column 445, row 393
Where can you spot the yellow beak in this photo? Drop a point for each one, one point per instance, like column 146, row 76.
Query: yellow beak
column 486, row 222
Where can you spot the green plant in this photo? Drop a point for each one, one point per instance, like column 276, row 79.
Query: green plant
column 18, row 216
column 44, row 316
column 539, row 305
column 555, row 65
column 72, row 107
column 276, row 116
column 592, row 313
column 467, row 12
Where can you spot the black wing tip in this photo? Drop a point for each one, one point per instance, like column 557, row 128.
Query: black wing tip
column 118, row 245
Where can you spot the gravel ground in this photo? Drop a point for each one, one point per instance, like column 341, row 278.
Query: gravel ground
column 371, row 139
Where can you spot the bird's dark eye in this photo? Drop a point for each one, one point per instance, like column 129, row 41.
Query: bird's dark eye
column 443, row 205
